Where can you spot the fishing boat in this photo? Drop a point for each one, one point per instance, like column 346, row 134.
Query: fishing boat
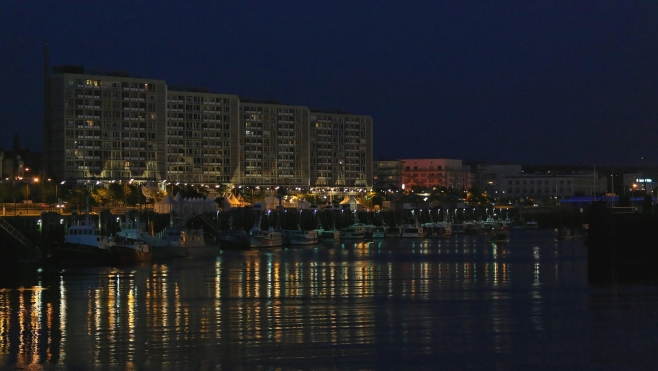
column 177, row 242
column 294, row 237
column 379, row 232
column 412, row 231
column 129, row 250
column 327, row 235
column 234, row 238
column 353, row 232
column 261, row 238
column 83, row 243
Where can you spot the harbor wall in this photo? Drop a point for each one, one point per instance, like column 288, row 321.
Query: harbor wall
column 622, row 248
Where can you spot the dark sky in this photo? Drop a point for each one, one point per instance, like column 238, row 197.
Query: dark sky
column 562, row 82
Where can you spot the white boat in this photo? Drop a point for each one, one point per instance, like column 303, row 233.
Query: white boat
column 414, row 231
column 327, row 235
column 295, row 237
column 353, row 232
column 489, row 223
column 261, row 238
column 83, row 244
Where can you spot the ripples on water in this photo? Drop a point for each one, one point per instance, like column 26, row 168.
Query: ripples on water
column 440, row 303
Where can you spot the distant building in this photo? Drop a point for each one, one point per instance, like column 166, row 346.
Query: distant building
column 544, row 186
column 20, row 163
column 388, row 174
column 435, row 173
column 638, row 181
column 492, row 177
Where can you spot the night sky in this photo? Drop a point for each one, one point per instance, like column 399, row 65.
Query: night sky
column 559, row 82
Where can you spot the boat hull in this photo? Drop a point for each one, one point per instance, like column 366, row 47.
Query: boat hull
column 130, row 254
column 266, row 242
column 300, row 238
column 235, row 241
column 168, row 252
column 329, row 235
column 79, row 253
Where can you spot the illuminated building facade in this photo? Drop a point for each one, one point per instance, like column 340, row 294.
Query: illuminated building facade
column 388, row 175
column 104, row 126
column 202, row 137
column 110, row 126
column 274, row 144
column 435, row 173
column 341, row 149
column 544, row 186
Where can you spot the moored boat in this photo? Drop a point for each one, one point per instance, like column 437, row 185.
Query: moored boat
column 295, row 237
column 412, row 231
column 83, row 244
column 261, row 238
column 128, row 250
column 177, row 242
column 325, row 235
column 234, row 238
column 379, row 232
column 355, row 231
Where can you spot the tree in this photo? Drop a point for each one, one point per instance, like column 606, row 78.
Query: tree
column 78, row 199
column 159, row 196
column 102, row 196
column 116, row 192
column 133, row 195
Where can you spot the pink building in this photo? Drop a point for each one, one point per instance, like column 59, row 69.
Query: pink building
column 435, row 173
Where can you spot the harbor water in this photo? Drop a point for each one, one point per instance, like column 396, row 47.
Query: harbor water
column 457, row 302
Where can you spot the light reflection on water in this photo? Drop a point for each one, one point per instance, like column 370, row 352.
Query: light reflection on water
column 367, row 305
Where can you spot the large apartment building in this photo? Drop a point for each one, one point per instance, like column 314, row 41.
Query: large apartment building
column 202, row 137
column 104, row 126
column 341, row 149
column 274, row 144
column 110, row 126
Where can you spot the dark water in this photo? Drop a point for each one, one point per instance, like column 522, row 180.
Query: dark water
column 453, row 303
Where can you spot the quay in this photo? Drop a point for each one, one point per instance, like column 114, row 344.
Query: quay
column 622, row 247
